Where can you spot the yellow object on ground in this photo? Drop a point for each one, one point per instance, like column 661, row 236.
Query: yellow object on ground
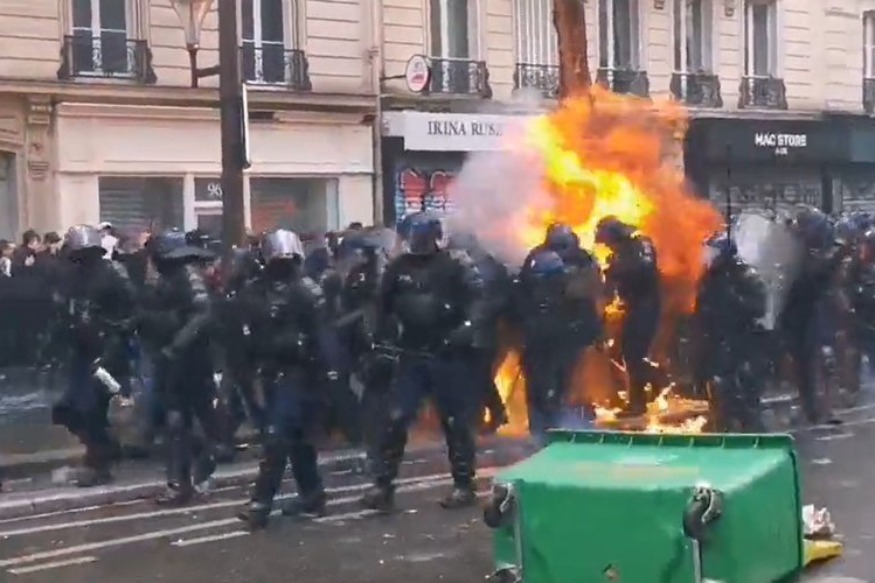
column 822, row 550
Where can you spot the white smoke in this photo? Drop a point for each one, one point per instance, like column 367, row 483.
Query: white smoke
column 770, row 247
column 492, row 189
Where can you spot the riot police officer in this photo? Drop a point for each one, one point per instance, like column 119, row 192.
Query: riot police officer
column 632, row 275
column 237, row 362
column 863, row 295
column 362, row 257
column 435, row 297
column 100, row 302
column 556, row 311
column 498, row 287
column 175, row 326
column 808, row 319
column 730, row 306
column 285, row 311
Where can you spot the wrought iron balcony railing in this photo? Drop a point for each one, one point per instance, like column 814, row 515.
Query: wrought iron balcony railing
column 697, row 89
column 626, row 81
column 763, row 92
column 274, row 64
column 107, row 55
column 542, row 78
column 869, row 95
column 459, row 77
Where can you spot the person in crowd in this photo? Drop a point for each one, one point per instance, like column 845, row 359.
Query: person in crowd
column 6, row 251
column 108, row 239
column 24, row 257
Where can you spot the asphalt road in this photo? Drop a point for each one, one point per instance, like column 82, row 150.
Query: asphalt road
column 205, row 544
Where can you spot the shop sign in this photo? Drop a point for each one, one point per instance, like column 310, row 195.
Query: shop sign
column 780, row 143
column 448, row 132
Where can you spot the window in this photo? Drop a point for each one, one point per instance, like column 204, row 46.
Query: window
column 141, row 202
column 100, row 37
column 692, row 36
column 454, row 31
column 536, row 41
column 869, row 45
column 619, row 46
column 761, row 38
column 268, row 28
column 304, row 205
column 8, row 198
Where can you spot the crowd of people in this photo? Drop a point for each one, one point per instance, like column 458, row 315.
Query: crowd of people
column 355, row 335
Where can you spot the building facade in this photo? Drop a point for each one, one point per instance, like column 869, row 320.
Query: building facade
column 99, row 122
column 780, row 92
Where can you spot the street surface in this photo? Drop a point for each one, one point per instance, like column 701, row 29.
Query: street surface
column 204, row 543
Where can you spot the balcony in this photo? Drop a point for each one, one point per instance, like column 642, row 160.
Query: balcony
column 108, row 56
column 459, row 77
column 762, row 92
column 697, row 89
column 541, row 78
column 869, row 95
column 626, row 81
column 274, row 64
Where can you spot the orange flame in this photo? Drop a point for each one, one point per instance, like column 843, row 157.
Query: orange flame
column 603, row 155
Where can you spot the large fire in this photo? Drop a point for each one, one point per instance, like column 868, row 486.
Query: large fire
column 603, row 155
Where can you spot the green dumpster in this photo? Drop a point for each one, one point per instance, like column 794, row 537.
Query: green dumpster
column 642, row 508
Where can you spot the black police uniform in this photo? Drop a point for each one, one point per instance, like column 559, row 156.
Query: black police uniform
column 632, row 274
column 175, row 325
column 285, row 312
column 436, row 298
column 99, row 298
column 729, row 308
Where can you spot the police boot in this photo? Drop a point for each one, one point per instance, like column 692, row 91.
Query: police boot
column 255, row 514
column 204, row 467
column 461, row 496
column 379, row 497
column 311, row 498
column 270, row 475
column 179, row 489
column 95, row 469
column 461, row 446
column 312, row 504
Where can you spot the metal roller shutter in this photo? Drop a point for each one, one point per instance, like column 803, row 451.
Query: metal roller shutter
column 140, row 203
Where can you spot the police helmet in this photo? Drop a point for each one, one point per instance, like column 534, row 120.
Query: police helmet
column 282, row 244
column 423, row 233
column 561, row 237
column 545, row 264
column 173, row 245
column 81, row 237
column 610, row 230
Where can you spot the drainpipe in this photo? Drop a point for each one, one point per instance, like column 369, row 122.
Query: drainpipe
column 378, row 65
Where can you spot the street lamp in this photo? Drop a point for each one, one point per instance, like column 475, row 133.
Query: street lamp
column 191, row 15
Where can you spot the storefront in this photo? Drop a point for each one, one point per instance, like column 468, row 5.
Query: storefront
column 854, row 182
column 771, row 164
column 160, row 167
column 422, row 152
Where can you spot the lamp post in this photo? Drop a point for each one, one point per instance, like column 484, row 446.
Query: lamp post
column 191, row 15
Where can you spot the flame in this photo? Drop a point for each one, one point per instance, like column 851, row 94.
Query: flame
column 603, row 155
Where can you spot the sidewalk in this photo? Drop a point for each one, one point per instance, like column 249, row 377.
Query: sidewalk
column 138, row 480
column 38, row 447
